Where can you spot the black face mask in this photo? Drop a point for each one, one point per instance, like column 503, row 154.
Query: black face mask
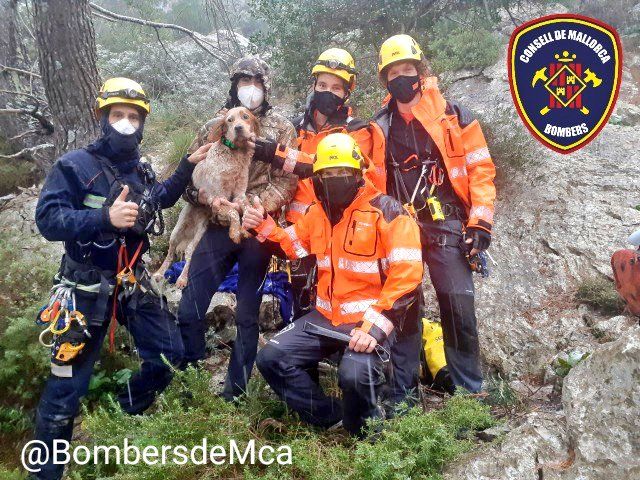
column 122, row 147
column 327, row 102
column 404, row 88
column 336, row 194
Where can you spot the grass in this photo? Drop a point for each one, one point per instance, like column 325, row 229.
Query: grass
column 600, row 293
column 417, row 445
column 501, row 393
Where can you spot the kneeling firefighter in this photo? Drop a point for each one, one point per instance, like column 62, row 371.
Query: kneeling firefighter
column 102, row 202
column 368, row 255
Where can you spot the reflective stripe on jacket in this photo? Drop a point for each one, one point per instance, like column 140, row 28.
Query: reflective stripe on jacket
column 369, row 264
column 463, row 148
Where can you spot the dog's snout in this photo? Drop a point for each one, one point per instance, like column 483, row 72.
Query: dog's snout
column 239, row 128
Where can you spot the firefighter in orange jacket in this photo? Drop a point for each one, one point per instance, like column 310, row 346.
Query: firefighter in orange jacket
column 327, row 111
column 430, row 153
column 369, row 261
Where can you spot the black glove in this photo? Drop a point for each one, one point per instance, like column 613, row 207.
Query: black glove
column 265, row 150
column 481, row 238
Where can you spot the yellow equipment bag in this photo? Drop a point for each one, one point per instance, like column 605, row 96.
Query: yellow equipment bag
column 433, row 346
column 434, row 371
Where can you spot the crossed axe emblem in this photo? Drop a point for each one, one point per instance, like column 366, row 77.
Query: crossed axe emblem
column 541, row 76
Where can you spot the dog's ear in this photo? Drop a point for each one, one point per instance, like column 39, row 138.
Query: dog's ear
column 255, row 124
column 217, row 130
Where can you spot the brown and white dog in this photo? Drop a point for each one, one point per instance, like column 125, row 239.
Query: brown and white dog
column 223, row 175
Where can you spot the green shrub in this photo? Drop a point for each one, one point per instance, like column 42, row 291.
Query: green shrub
column 180, row 141
column 24, row 286
column 171, row 122
column 563, row 364
column 454, row 47
column 16, row 474
column 501, row 393
column 419, row 445
column 416, row 445
column 600, row 293
column 14, row 174
column 24, row 280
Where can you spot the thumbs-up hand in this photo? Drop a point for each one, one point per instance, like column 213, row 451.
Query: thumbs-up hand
column 123, row 214
column 253, row 215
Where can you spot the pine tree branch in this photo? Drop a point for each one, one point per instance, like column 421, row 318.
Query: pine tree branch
column 44, row 121
column 198, row 38
column 18, row 70
column 28, row 153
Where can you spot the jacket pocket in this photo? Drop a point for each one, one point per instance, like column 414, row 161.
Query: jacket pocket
column 452, row 139
column 362, row 233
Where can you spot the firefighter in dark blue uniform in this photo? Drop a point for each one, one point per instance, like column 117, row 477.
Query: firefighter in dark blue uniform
column 102, row 202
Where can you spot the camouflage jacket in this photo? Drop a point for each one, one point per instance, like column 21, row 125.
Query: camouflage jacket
column 274, row 187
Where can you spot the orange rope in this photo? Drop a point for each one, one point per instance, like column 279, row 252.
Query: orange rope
column 123, row 263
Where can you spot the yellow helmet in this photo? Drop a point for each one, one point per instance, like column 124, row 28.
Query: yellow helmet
column 398, row 48
column 122, row 90
column 338, row 62
column 337, row 150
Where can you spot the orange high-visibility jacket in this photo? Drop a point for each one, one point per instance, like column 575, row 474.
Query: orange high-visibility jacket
column 308, row 140
column 463, row 148
column 369, row 264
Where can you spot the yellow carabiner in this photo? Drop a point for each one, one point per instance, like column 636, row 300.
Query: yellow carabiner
column 67, row 324
column 41, row 338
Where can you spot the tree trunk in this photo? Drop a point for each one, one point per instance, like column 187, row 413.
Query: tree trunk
column 67, row 57
column 12, row 40
column 10, row 125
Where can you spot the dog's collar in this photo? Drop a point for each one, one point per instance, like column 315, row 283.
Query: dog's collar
column 228, row 143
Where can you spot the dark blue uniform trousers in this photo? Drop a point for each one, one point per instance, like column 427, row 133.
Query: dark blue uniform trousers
column 212, row 260
column 453, row 282
column 155, row 333
column 284, row 362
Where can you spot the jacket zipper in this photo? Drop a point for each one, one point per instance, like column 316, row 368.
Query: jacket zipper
column 450, row 140
column 353, row 229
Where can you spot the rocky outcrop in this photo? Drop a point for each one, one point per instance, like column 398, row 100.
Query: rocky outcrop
column 558, row 220
column 595, row 437
column 17, row 226
column 537, row 445
column 601, row 400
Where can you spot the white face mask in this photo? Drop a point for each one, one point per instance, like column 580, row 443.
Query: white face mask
column 124, row 127
column 250, row 96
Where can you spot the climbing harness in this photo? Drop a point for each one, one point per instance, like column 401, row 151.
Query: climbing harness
column 125, row 280
column 435, row 178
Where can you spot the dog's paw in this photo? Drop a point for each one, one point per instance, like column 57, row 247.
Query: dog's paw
column 181, row 283
column 235, row 236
